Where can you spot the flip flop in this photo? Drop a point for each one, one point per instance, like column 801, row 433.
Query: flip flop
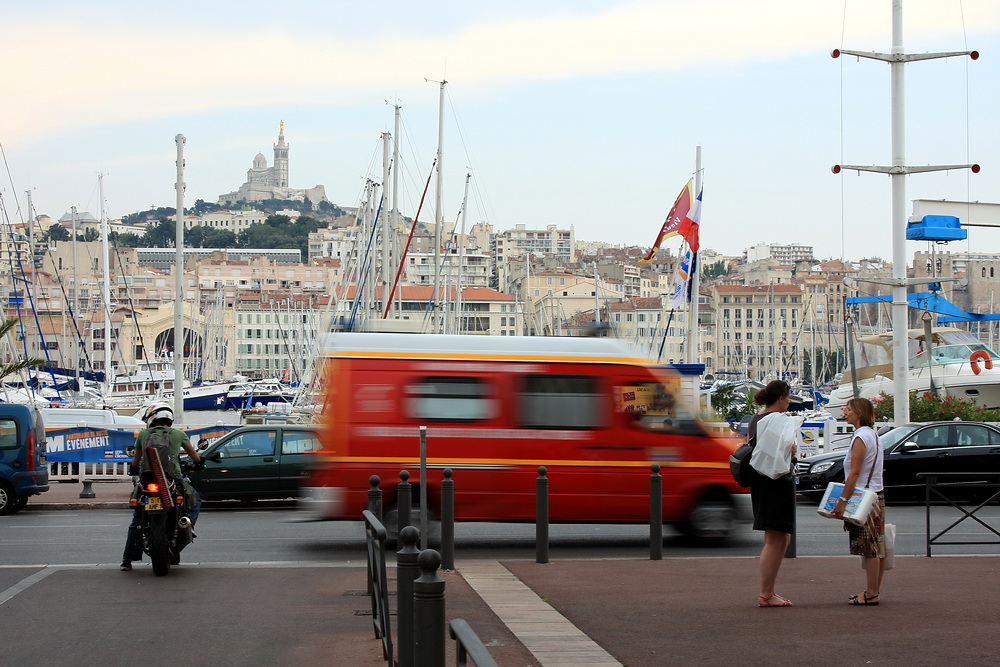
column 773, row 601
column 863, row 599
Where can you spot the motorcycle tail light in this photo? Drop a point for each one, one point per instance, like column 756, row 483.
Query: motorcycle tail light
column 133, row 503
column 153, row 487
column 179, row 500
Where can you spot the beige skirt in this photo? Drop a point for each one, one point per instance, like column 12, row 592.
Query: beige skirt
column 869, row 540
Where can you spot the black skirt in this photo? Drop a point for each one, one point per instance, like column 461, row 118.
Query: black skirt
column 773, row 503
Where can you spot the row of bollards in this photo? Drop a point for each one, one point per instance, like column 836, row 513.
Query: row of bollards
column 420, row 599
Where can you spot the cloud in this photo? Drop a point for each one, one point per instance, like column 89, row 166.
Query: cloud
column 113, row 71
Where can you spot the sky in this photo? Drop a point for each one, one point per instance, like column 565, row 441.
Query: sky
column 567, row 112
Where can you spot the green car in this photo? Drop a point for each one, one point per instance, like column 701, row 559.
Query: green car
column 257, row 462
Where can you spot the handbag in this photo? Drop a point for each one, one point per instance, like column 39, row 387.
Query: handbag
column 739, row 463
column 859, row 505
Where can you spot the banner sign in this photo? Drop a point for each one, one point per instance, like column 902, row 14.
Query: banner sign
column 91, row 445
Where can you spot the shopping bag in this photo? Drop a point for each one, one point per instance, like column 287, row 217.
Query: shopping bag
column 859, row 506
column 890, row 547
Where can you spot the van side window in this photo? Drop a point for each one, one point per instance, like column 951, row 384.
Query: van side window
column 560, row 401
column 450, row 399
column 8, row 434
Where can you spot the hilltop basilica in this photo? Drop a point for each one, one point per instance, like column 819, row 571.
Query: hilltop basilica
column 265, row 182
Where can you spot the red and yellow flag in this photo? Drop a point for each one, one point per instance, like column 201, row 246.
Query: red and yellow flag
column 672, row 225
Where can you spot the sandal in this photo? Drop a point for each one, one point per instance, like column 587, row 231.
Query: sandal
column 863, row 599
column 773, row 601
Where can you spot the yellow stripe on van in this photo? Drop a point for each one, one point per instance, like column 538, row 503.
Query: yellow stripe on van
column 510, row 463
column 384, row 354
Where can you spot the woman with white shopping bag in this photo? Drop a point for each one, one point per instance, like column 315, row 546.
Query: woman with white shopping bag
column 864, row 470
column 772, row 490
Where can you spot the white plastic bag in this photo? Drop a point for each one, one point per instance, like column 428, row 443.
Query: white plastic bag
column 776, row 435
column 890, row 547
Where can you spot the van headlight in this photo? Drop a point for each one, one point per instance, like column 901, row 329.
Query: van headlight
column 821, row 467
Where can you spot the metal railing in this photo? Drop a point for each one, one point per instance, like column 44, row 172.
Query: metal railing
column 934, row 486
column 375, row 534
column 468, row 645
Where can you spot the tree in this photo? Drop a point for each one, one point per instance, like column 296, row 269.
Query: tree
column 58, row 233
column 160, row 235
column 219, row 238
column 125, row 239
column 716, row 269
column 90, row 235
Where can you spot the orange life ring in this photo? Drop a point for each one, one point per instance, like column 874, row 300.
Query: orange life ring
column 985, row 356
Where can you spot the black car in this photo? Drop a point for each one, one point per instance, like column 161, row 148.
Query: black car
column 257, row 462
column 910, row 449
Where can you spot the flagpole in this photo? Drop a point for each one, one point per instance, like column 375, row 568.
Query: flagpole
column 692, row 339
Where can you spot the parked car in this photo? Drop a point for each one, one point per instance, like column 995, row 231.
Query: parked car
column 911, row 449
column 257, row 462
column 23, row 472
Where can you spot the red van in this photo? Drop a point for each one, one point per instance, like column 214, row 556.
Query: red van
column 591, row 410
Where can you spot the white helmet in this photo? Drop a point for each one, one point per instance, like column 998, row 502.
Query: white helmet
column 158, row 410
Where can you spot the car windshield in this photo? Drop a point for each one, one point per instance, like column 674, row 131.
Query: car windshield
column 895, row 435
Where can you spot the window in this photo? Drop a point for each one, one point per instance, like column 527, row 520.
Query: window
column 560, row 402
column 299, row 443
column 8, row 434
column 253, row 443
column 450, row 399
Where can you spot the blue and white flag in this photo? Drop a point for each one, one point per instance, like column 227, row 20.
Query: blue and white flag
column 682, row 288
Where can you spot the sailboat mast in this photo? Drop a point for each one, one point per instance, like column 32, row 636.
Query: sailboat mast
column 438, row 197
column 106, row 290
column 76, row 299
column 179, row 286
column 385, row 216
column 394, row 208
column 461, row 257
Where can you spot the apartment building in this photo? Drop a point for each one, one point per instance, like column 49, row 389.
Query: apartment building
column 756, row 329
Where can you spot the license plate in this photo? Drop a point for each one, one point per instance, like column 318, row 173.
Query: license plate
column 153, row 503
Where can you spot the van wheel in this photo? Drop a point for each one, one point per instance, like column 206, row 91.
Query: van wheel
column 7, row 499
column 712, row 520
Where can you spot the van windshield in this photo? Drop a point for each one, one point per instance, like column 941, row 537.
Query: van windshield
column 656, row 409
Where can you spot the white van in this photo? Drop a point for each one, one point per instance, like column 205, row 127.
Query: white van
column 65, row 417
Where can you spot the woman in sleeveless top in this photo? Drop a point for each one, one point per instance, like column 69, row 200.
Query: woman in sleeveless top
column 773, row 502
column 863, row 467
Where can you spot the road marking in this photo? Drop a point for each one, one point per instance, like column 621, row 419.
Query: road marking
column 25, row 583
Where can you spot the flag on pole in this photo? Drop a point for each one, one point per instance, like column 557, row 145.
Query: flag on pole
column 682, row 289
column 671, row 226
column 689, row 225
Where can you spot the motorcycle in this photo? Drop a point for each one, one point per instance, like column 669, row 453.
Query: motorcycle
column 166, row 525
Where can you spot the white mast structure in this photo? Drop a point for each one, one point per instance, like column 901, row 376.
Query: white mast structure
column 691, row 353
column 897, row 171
column 439, row 214
column 179, row 286
column 461, row 257
column 385, row 215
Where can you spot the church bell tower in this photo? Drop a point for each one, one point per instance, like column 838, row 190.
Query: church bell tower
column 281, row 159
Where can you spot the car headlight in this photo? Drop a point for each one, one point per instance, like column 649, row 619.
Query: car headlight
column 822, row 467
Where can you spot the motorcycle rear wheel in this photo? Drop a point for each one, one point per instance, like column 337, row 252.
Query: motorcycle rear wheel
column 159, row 548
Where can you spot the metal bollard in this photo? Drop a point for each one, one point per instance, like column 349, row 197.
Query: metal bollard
column 447, row 521
column 375, row 497
column 88, row 491
column 428, row 612
column 542, row 517
column 404, row 502
column 656, row 514
column 407, row 572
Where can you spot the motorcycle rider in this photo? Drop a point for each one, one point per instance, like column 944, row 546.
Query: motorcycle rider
column 160, row 416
